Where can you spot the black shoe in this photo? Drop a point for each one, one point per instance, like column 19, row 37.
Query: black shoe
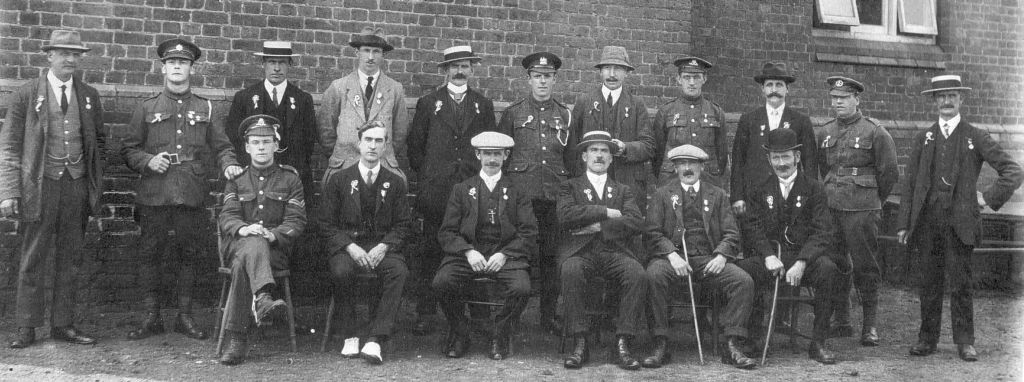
column 818, row 352
column 235, row 352
column 264, row 305
column 500, row 347
column 184, row 324
column 869, row 336
column 580, row 354
column 153, row 324
column 72, row 335
column 422, row 327
column 922, row 348
column 840, row 331
column 26, row 336
column 457, row 344
column 623, row 356
column 551, row 325
column 660, row 356
column 967, row 352
column 733, row 355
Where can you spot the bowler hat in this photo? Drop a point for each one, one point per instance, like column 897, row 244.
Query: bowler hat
column 371, row 36
column 781, row 140
column 946, row 82
column 774, row 71
column 614, row 55
column 597, row 136
column 65, row 39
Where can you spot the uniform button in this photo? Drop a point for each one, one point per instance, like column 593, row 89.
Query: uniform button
column 261, row 206
column 179, row 115
column 543, row 122
column 695, row 134
column 178, row 146
column 543, row 162
column 543, row 148
column 261, row 178
column 66, row 132
column 693, row 120
column 65, row 142
column 65, row 121
column 542, row 109
column 691, row 106
column 261, row 222
column 543, row 135
column 261, row 192
column 179, row 101
column 179, row 131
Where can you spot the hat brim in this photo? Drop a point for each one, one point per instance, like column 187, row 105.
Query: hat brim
column 542, row 70
column 760, row 78
column 960, row 88
column 257, row 54
column 681, row 157
column 582, row 146
column 384, row 46
column 83, row 48
column 777, row 149
column 472, row 59
column 619, row 63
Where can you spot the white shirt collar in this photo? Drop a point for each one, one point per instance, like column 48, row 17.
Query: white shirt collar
column 774, row 120
column 598, row 182
column 55, row 84
column 770, row 109
column 790, row 179
column 490, row 181
column 615, row 93
column 456, row 89
column 696, row 186
column 952, row 123
column 363, row 76
column 363, row 169
column 280, row 89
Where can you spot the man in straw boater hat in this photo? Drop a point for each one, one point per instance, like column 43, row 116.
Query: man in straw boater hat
column 939, row 211
column 285, row 101
column 364, row 96
column 52, row 154
column 441, row 154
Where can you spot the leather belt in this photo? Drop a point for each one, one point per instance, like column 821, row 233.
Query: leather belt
column 844, row 171
column 178, row 158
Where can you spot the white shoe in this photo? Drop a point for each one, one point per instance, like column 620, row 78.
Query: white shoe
column 351, row 349
column 371, row 353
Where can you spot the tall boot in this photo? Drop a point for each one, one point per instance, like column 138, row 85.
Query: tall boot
column 152, row 324
column 580, row 353
column 624, row 355
column 184, row 323
column 660, row 355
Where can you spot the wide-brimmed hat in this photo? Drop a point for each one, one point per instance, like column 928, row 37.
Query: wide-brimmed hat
column 692, row 64
column 178, row 48
column 65, row 39
column 276, row 49
column 371, row 36
column 687, row 152
column 781, row 140
column 260, row 125
column 458, row 53
column 542, row 62
column 614, row 55
column 774, row 71
column 844, row 84
column 946, row 82
column 492, row 140
column 597, row 136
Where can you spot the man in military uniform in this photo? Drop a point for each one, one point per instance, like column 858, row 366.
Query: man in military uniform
column 690, row 119
column 441, row 155
column 52, row 154
column 939, row 211
column 282, row 99
column 264, row 212
column 169, row 137
column 542, row 158
column 489, row 231
column 859, row 170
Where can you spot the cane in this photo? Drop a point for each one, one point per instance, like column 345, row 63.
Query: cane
column 693, row 300
column 775, row 300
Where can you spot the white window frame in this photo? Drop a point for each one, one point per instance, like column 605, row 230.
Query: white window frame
column 889, row 31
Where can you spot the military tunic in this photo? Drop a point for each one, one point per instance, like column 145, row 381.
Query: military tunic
column 697, row 122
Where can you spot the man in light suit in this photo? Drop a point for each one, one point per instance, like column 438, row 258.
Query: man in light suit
column 939, row 211
column 363, row 96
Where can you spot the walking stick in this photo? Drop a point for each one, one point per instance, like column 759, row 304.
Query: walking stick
column 693, row 300
column 775, row 300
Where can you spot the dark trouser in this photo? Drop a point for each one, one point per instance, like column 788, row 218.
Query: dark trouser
column 63, row 215
column 734, row 283
column 859, row 238
column 187, row 224
column 822, row 275
column 252, row 266
column 427, row 261
column 942, row 254
column 547, row 259
column 392, row 272
column 452, row 286
column 619, row 269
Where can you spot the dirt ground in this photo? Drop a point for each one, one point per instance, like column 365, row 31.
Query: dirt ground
column 999, row 332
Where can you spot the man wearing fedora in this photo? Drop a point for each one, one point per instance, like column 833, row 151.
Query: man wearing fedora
column 939, row 211
column 282, row 99
column 169, row 137
column 441, row 155
column 52, row 154
column 365, row 95
column 690, row 119
column 859, row 170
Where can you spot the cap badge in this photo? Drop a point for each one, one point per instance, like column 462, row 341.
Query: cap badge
column 179, row 47
column 543, row 61
column 839, row 83
column 693, row 62
column 261, row 122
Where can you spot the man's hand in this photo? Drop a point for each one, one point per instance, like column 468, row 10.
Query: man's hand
column 622, row 146
column 232, row 171
column 614, row 213
column 359, row 255
column 715, row 266
column 901, row 236
column 681, row 266
column 9, row 207
column 251, row 230
column 159, row 163
column 376, row 254
column 495, row 263
column 593, row 228
column 795, row 273
column 981, row 199
column 774, row 265
column 739, row 207
column 476, row 260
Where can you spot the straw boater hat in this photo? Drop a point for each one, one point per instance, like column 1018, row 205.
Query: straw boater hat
column 276, row 49
column 614, row 55
column 458, row 53
column 774, row 71
column 65, row 39
column 597, row 136
column 946, row 82
column 781, row 140
column 370, row 36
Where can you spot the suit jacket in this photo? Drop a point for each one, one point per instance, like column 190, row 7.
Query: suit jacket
column 341, row 217
column 631, row 127
column 23, row 146
column 579, row 206
column 750, row 167
column 802, row 223
column 665, row 214
column 973, row 146
column 515, row 215
column 298, row 128
column 439, row 147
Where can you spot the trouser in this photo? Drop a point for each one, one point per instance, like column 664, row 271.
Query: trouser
column 734, row 283
column 252, row 265
column 452, row 285
column 943, row 253
column 62, row 218
column 187, row 242
column 821, row 274
column 859, row 239
column 547, row 259
column 427, row 261
column 620, row 270
column 392, row 272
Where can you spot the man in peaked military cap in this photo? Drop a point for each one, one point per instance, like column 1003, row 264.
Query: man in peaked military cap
column 543, row 158
column 168, row 136
column 264, row 212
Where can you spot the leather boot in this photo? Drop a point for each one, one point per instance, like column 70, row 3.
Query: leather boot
column 184, row 324
column 869, row 336
column 235, row 352
column 818, row 352
column 967, row 352
column 26, row 336
column 922, row 348
column 580, row 353
column 868, row 333
column 624, row 357
column 732, row 354
column 457, row 343
column 500, row 347
column 660, row 356
column 151, row 325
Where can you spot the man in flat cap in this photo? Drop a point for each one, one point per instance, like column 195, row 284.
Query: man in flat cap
column 52, row 154
column 859, row 171
column 264, row 213
column 543, row 158
column 282, row 99
column 489, row 231
column 691, row 231
column 691, row 119
column 169, row 137
column 365, row 221
column 441, row 155
column 364, row 96
column 598, row 219
column 939, row 211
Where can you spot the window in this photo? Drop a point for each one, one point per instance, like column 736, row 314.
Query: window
column 909, row 21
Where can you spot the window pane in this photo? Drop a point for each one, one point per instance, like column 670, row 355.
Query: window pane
column 870, row 11
column 839, row 12
column 917, row 16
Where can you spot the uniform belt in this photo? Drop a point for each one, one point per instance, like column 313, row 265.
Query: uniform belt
column 178, row 158
column 844, row 171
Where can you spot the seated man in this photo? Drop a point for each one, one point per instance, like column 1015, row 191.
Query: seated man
column 488, row 230
column 598, row 218
column 698, row 215
column 790, row 208
column 264, row 211
column 364, row 220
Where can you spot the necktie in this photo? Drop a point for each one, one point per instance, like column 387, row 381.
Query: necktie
column 369, row 89
column 785, row 190
column 64, row 99
column 945, row 130
column 369, row 177
column 611, row 102
column 691, row 193
column 273, row 96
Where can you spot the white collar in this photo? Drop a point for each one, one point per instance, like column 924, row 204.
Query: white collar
column 696, row 186
column 456, row 89
column 490, row 181
column 363, row 76
column 597, row 179
column 770, row 109
column 280, row 88
column 615, row 93
column 953, row 122
column 363, row 169
column 790, row 179
column 55, row 84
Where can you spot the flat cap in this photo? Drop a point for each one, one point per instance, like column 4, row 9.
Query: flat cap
column 260, row 125
column 687, row 152
column 543, row 62
column 178, row 48
column 492, row 140
column 844, row 84
column 692, row 64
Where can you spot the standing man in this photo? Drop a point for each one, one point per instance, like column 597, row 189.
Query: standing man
column 441, row 154
column 696, row 215
column 691, row 119
column 51, row 178
column 277, row 97
column 364, row 222
column 616, row 110
column 264, row 213
column 169, row 137
column 939, row 211
column 489, row 231
column 540, row 161
column 365, row 95
column 859, row 171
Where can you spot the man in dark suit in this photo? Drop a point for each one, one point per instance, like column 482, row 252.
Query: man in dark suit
column 364, row 221
column 441, row 155
column 939, row 211
column 598, row 218
column 282, row 99
column 51, row 177
column 489, row 230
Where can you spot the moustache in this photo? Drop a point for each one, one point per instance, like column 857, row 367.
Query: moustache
column 774, row 94
column 612, row 79
column 946, row 107
column 459, row 76
column 688, row 173
column 492, row 164
column 782, row 168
